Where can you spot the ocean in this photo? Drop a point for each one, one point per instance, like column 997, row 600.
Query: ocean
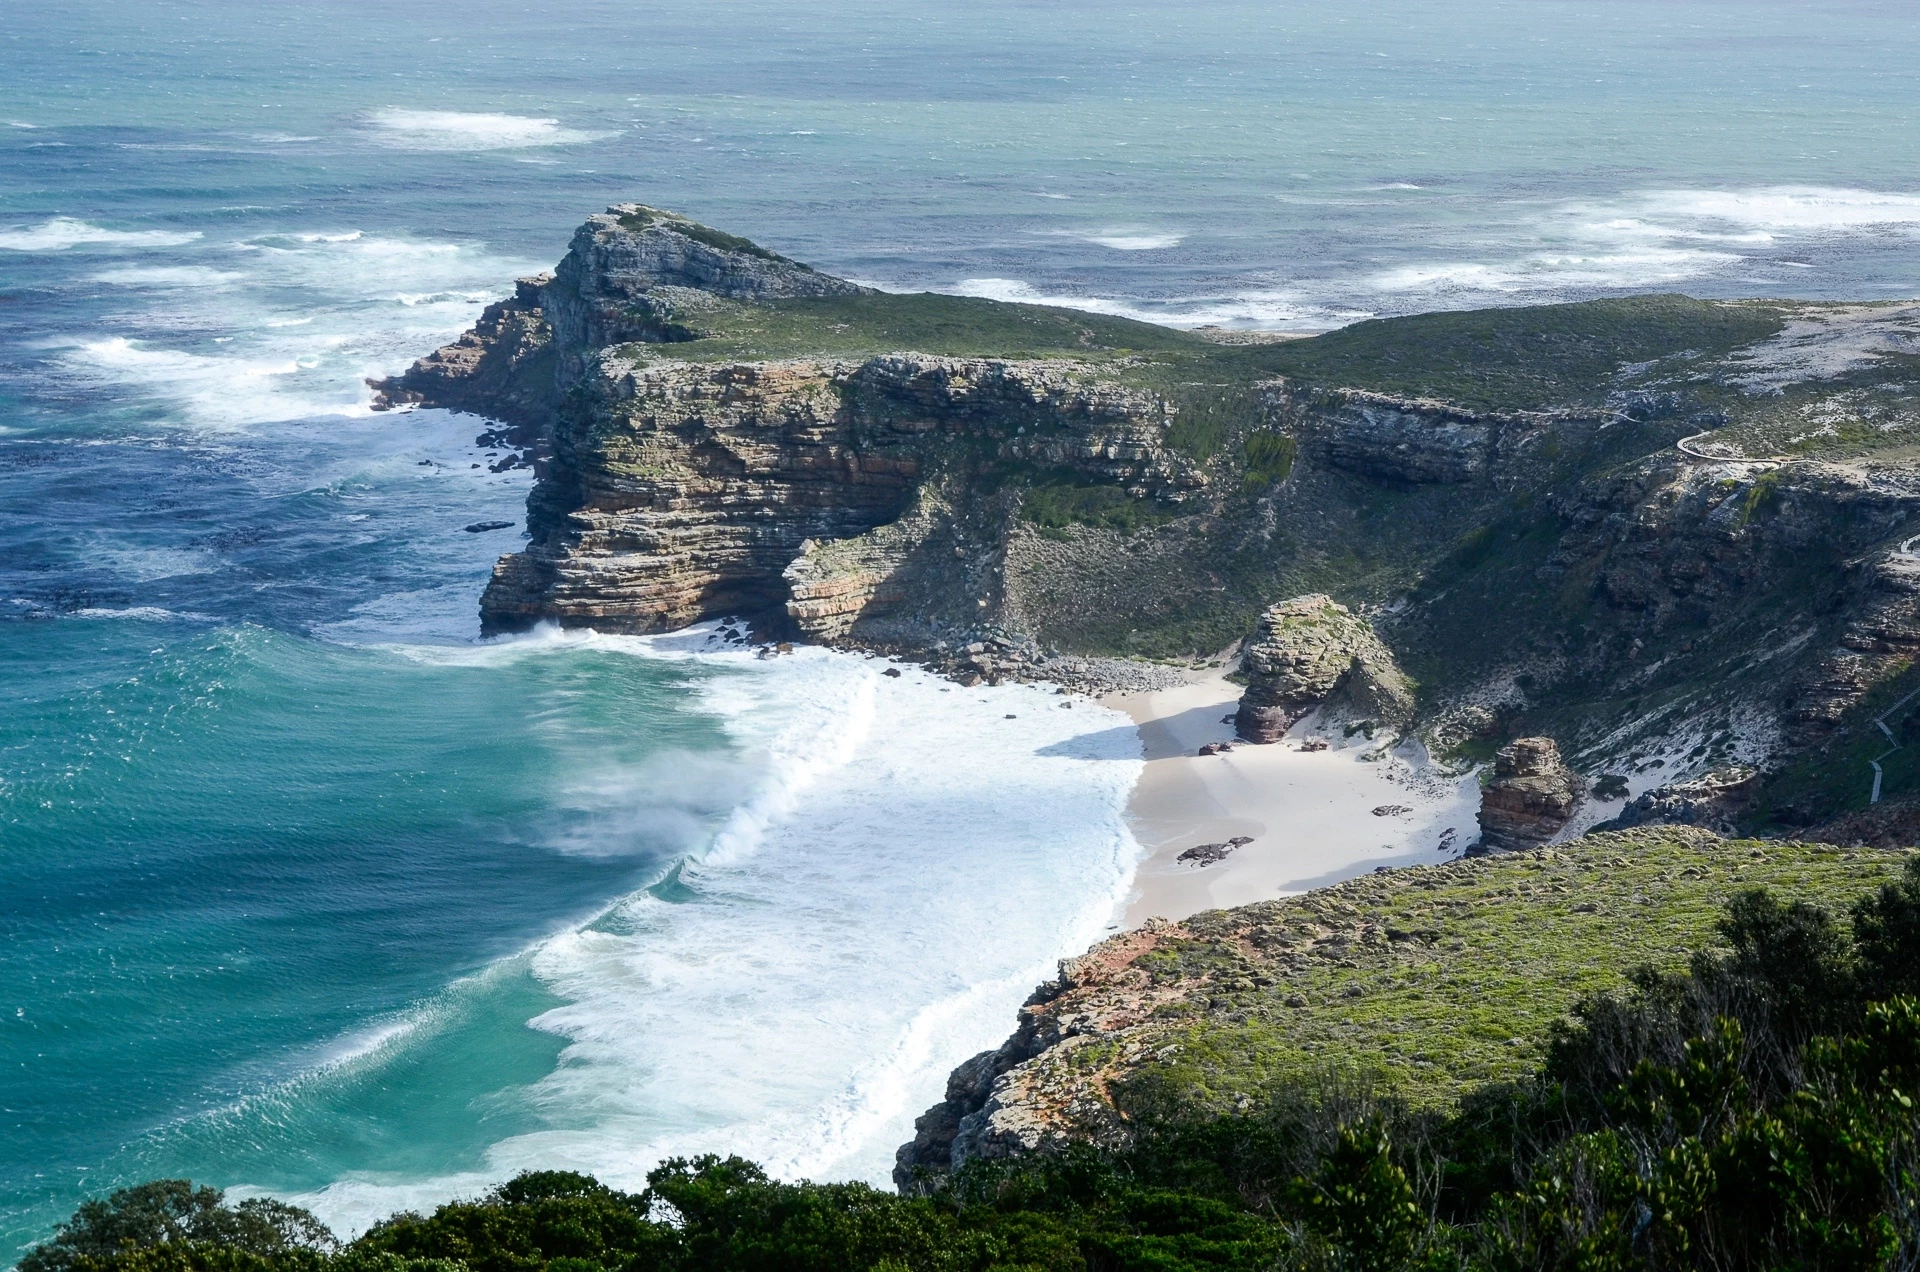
column 305, row 889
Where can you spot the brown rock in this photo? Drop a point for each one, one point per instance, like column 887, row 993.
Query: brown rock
column 1309, row 651
column 1531, row 797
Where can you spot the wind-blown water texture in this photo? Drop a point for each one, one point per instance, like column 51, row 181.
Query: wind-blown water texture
column 289, row 862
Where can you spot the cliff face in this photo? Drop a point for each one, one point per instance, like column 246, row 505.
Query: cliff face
column 1516, row 504
column 679, row 491
column 1677, row 536
column 1530, row 799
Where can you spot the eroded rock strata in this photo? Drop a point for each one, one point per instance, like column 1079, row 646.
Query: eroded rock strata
column 1530, row 798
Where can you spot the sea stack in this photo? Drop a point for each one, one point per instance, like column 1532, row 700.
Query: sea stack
column 1311, row 651
column 1532, row 796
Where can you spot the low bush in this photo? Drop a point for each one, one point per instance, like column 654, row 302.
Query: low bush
column 1755, row 1111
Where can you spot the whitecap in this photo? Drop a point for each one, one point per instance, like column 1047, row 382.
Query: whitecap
column 1143, row 241
column 1555, row 271
column 824, row 913
column 1789, row 209
column 1272, row 309
column 63, row 232
column 467, row 130
column 167, row 276
column 138, row 613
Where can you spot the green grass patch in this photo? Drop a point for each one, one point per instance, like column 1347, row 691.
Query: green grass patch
column 1269, row 459
column 1059, row 504
column 1438, row 978
column 953, row 326
column 1515, row 359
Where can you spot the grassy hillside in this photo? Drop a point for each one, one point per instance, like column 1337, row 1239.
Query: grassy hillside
column 1486, row 359
column 1439, row 978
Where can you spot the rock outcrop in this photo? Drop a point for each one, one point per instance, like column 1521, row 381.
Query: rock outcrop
column 502, row 368
column 1374, row 976
column 1311, row 651
column 808, row 489
column 1718, row 800
column 1543, row 551
column 635, row 273
column 1531, row 797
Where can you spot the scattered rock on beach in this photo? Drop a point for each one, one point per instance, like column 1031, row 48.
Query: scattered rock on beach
column 1391, row 810
column 1216, row 748
column 1203, row 855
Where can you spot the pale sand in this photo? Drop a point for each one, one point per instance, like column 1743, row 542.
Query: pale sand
column 1310, row 813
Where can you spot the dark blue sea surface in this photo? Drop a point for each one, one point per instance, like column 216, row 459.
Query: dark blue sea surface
column 303, row 888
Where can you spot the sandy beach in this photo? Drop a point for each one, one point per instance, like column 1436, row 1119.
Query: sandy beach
column 1312, row 817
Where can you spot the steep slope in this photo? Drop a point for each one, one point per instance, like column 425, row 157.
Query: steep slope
column 1427, row 980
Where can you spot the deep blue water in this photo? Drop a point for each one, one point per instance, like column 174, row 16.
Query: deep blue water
column 288, row 862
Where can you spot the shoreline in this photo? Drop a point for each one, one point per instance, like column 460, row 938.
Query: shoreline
column 1312, row 818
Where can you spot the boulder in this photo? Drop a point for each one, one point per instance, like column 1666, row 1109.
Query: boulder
column 1717, row 800
column 1532, row 796
column 1311, row 651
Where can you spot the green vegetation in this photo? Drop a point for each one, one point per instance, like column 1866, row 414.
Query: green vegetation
column 1748, row 1110
column 953, row 326
column 1494, row 359
column 1515, row 359
column 1269, row 458
column 642, row 217
column 1431, row 980
column 1058, row 504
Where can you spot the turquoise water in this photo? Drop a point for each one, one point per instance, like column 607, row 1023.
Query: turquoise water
column 303, row 889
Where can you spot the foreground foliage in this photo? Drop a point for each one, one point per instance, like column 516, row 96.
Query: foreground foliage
column 1756, row 1110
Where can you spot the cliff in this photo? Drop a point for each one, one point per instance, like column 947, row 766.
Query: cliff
column 1673, row 536
column 1669, row 533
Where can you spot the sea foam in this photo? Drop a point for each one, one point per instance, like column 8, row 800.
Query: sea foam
column 465, row 130
column 63, row 232
column 798, row 988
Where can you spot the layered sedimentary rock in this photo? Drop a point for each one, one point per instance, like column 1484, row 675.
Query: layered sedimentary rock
column 1411, row 441
column 640, row 273
column 1531, row 797
column 1557, row 565
column 808, row 488
column 502, row 368
column 1312, row 651
column 999, row 1105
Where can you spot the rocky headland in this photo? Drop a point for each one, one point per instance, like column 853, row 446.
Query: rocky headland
column 1649, row 557
column 1671, row 535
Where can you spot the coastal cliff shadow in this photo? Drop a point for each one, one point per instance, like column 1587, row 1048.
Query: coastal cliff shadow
column 1106, row 744
column 1187, row 732
column 1162, row 739
column 1431, row 855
